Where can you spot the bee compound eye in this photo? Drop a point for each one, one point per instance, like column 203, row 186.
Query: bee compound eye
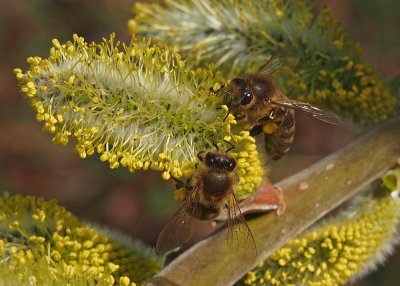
column 210, row 160
column 231, row 165
column 246, row 99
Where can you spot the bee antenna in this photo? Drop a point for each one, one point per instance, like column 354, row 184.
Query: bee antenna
column 230, row 148
column 221, row 90
column 226, row 116
column 215, row 145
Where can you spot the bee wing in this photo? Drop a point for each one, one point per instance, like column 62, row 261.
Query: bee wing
column 272, row 66
column 179, row 229
column 239, row 232
column 309, row 109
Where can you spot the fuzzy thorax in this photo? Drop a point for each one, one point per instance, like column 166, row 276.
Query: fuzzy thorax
column 137, row 105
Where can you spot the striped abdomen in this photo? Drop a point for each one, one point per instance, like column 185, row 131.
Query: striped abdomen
column 278, row 143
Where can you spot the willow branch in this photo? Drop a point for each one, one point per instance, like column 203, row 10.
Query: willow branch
column 309, row 195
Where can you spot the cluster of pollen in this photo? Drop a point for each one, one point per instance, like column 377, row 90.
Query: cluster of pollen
column 338, row 250
column 138, row 106
column 43, row 244
column 321, row 64
column 249, row 166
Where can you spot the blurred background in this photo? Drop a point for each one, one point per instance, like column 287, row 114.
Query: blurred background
column 139, row 204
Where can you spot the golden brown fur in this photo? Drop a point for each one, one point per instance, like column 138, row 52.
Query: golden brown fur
column 211, row 189
column 260, row 105
column 260, row 111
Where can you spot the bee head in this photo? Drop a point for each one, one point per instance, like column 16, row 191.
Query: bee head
column 238, row 94
column 217, row 159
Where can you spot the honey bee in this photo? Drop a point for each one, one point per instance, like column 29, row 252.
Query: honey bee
column 262, row 107
column 211, row 190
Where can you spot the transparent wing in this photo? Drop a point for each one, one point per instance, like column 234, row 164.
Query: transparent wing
column 239, row 233
column 179, row 229
column 309, row 109
column 273, row 66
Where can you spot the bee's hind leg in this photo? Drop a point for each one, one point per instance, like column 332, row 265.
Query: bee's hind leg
column 178, row 183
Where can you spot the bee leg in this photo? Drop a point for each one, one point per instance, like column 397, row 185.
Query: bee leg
column 240, row 116
column 264, row 120
column 178, row 183
column 256, row 130
column 260, row 123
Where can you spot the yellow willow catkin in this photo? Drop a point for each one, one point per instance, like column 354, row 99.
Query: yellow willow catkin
column 43, row 244
column 338, row 249
column 321, row 65
column 137, row 105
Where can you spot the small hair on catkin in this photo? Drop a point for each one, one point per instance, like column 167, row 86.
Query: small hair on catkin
column 137, row 105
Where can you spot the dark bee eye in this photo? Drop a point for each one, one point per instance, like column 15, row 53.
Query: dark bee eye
column 246, row 99
column 230, row 166
column 210, row 160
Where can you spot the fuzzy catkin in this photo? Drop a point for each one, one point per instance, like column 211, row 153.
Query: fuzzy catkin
column 43, row 244
column 138, row 106
column 341, row 248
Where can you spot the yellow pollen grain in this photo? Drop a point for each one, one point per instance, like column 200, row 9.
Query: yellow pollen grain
column 166, row 175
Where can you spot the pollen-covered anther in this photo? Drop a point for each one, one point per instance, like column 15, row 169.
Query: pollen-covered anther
column 78, row 252
column 137, row 105
column 166, row 175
